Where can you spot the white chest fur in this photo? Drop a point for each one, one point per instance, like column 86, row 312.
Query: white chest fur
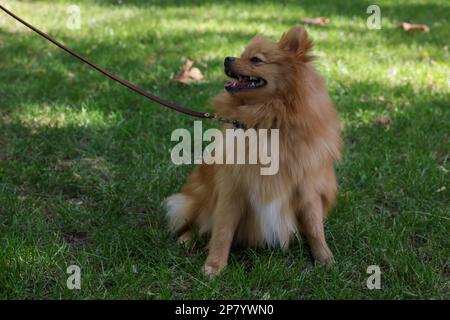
column 276, row 228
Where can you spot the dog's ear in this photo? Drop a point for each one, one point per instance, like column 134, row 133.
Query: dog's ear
column 297, row 41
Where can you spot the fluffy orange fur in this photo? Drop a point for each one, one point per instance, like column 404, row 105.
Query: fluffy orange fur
column 229, row 202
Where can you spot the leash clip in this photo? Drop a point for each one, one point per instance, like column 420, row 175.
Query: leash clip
column 235, row 123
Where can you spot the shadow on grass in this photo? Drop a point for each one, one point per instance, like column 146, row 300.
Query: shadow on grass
column 104, row 186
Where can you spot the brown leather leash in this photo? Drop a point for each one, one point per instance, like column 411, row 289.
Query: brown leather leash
column 129, row 85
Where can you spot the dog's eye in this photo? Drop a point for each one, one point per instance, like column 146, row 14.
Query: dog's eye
column 256, row 60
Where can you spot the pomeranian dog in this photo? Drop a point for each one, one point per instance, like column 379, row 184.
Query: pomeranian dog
column 274, row 85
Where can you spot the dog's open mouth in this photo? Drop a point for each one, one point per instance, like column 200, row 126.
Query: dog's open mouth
column 243, row 82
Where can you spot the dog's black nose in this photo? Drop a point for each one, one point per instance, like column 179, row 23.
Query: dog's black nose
column 228, row 61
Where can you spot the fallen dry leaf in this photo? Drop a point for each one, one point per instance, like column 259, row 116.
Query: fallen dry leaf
column 319, row 21
column 76, row 238
column 413, row 27
column 383, row 121
column 188, row 73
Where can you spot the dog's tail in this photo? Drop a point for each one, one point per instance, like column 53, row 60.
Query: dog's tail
column 180, row 213
column 192, row 207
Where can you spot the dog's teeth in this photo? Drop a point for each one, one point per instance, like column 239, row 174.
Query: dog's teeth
column 253, row 78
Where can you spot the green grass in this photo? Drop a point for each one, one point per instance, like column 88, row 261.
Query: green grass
column 85, row 163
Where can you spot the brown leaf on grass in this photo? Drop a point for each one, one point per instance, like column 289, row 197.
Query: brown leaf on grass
column 383, row 121
column 319, row 21
column 188, row 73
column 413, row 27
column 76, row 238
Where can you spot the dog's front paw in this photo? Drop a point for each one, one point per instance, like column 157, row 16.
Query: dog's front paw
column 328, row 262
column 324, row 256
column 185, row 239
column 212, row 269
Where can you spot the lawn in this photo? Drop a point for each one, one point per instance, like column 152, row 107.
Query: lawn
column 85, row 163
